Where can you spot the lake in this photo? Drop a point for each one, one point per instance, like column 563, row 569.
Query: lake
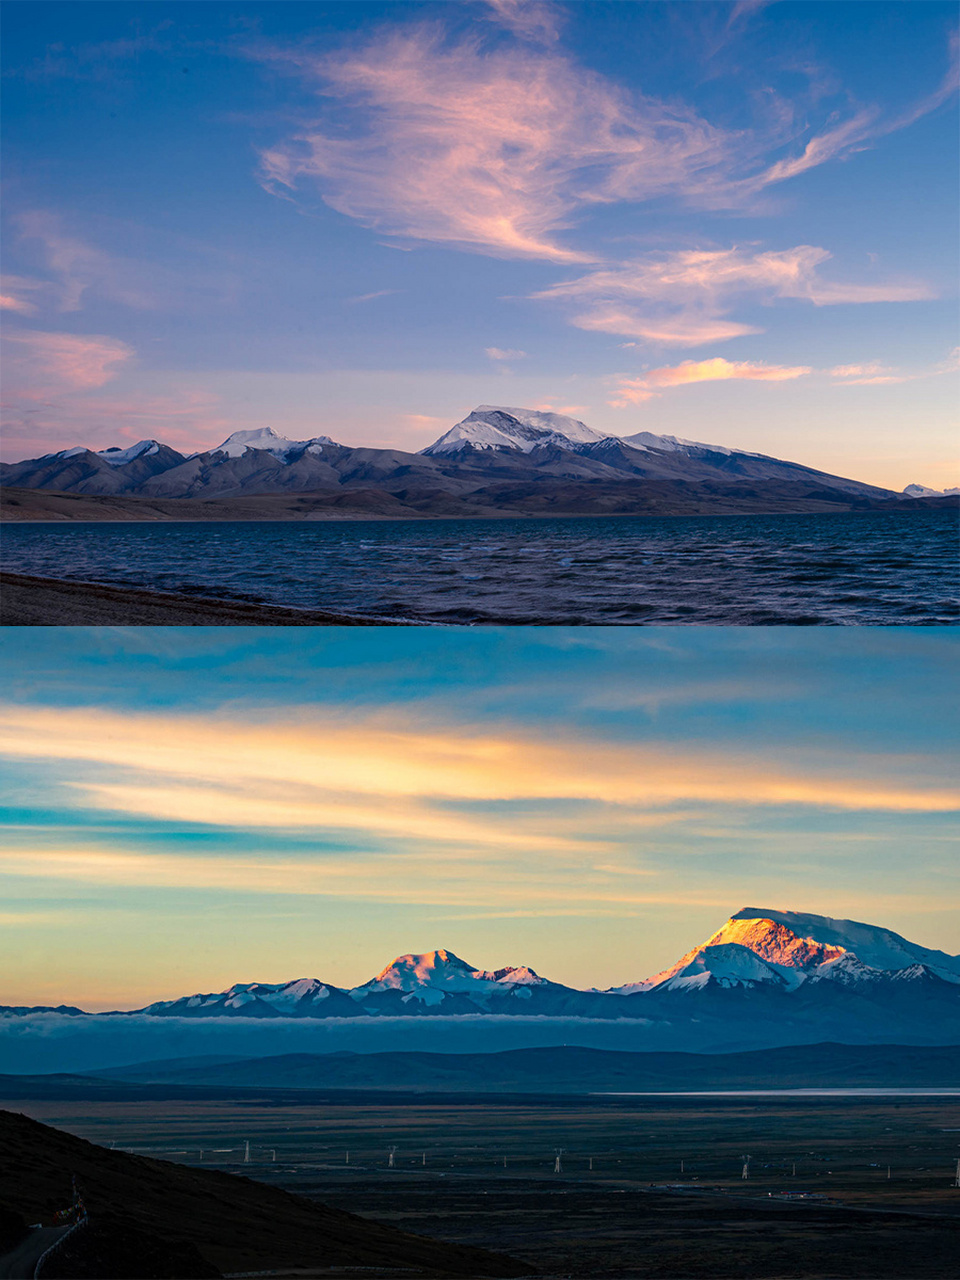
column 838, row 569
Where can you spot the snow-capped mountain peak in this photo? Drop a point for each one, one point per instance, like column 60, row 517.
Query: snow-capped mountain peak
column 876, row 947
column 494, row 427
column 432, row 976
column 114, row 455
column 924, row 491
column 790, row 947
column 269, row 441
column 522, row 976
column 523, row 430
column 117, row 457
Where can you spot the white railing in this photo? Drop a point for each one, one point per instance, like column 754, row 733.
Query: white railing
column 80, row 1222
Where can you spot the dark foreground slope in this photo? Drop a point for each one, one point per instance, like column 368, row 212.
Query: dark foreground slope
column 199, row 1221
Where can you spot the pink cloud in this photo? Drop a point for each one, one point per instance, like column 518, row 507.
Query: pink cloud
column 863, row 375
column 636, row 390
column 10, row 302
column 41, row 364
column 683, row 298
column 500, row 149
column 185, row 418
column 51, row 400
column 494, row 150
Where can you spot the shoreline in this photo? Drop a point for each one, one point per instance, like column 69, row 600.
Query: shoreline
column 51, row 507
column 28, row 601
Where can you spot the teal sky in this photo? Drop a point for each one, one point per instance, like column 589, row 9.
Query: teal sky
column 191, row 807
column 733, row 222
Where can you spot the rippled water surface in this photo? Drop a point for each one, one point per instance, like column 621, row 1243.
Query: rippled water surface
column 843, row 569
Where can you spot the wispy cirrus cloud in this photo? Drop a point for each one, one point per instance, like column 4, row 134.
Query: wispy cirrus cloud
column 80, row 266
column 499, row 353
column 684, row 298
column 500, row 150
column 388, row 808
column 506, row 149
column 877, row 374
column 43, row 364
column 532, row 20
column 635, row 390
column 496, row 150
column 18, row 293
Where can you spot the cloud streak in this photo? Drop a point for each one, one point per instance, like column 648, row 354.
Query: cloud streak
column 43, row 364
column 530, row 20
column 684, row 298
column 385, row 760
column 635, row 390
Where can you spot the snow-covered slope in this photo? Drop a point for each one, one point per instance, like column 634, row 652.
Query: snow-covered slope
column 304, row 997
column 785, row 948
column 922, row 491
column 269, row 441
column 497, row 427
column 726, row 963
column 117, row 457
column 874, row 946
column 493, row 427
column 676, row 444
column 431, row 977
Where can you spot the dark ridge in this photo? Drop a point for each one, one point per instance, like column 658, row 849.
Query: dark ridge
column 230, row 1223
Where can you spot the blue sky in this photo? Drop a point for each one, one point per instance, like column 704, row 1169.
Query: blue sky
column 189, row 808
column 728, row 221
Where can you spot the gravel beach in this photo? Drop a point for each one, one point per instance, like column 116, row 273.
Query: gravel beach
column 27, row 601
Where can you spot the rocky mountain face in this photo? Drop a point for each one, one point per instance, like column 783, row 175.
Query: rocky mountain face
column 495, row 459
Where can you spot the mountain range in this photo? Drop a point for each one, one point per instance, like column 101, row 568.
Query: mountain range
column 496, row 461
column 766, row 976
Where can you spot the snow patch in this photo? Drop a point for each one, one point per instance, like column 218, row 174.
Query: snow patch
column 118, row 457
column 269, row 441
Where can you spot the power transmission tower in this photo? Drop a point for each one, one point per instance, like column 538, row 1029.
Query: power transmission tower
column 246, row 1152
column 557, row 1166
column 746, row 1168
column 390, row 1162
column 956, row 1181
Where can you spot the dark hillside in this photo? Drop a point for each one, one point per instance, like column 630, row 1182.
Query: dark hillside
column 232, row 1223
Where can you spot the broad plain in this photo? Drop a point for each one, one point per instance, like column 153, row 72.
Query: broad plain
column 858, row 1186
